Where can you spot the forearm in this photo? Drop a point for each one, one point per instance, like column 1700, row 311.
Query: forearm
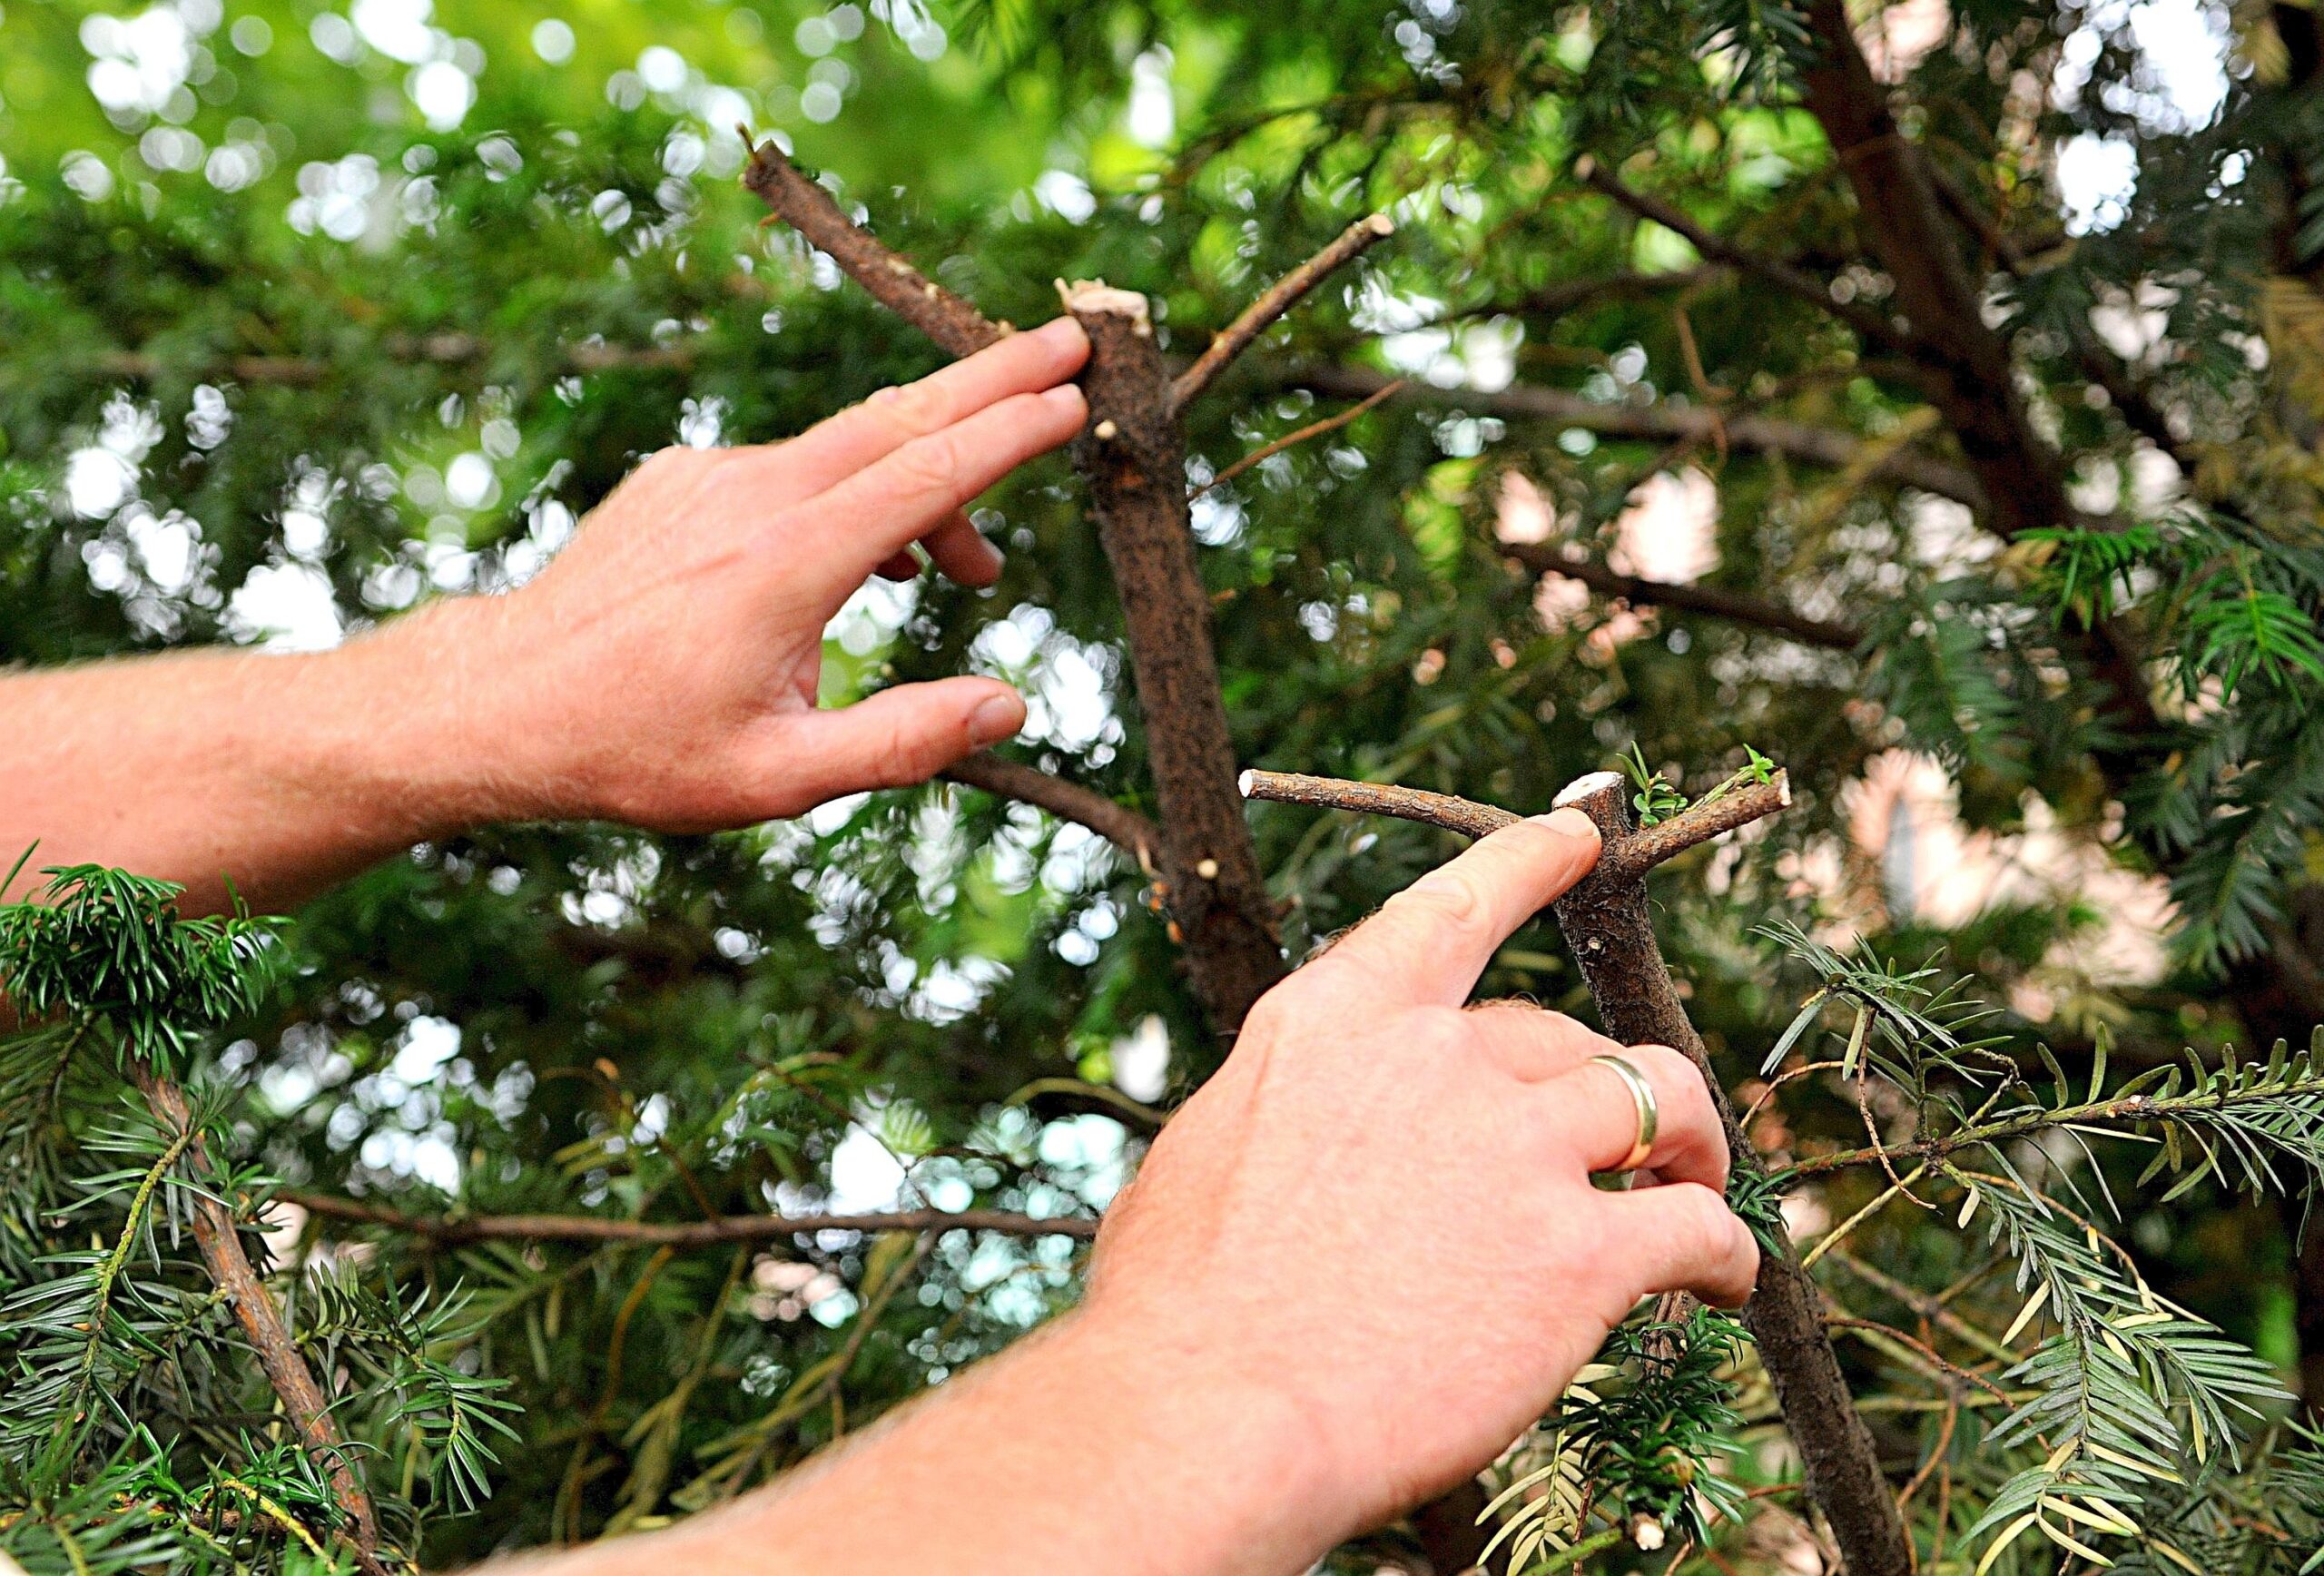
column 279, row 773
column 1087, row 1448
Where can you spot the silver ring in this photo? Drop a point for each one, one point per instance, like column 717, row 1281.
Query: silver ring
column 1649, row 1112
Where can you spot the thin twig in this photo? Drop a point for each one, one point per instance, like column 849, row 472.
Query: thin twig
column 903, row 288
column 1924, row 1304
column 2138, row 1108
column 1661, row 422
column 1869, row 325
column 1711, row 601
column 1289, row 439
column 1625, row 858
column 1448, row 811
column 1133, row 833
column 1839, row 1233
column 1278, row 299
column 453, row 1230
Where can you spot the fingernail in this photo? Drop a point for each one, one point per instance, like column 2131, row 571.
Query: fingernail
column 1066, row 397
column 1571, row 821
column 996, row 718
column 1064, row 331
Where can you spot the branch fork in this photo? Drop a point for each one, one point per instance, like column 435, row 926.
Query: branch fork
column 1606, row 925
column 1133, row 458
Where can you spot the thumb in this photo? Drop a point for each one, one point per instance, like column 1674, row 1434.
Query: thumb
column 902, row 736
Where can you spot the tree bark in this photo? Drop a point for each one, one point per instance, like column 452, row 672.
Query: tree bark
column 1605, row 922
column 1133, row 455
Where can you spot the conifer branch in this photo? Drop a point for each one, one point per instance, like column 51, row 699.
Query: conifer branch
column 1276, row 300
column 1711, row 601
column 217, row 1237
column 455, row 1230
column 1133, row 833
column 1133, row 457
column 1661, row 422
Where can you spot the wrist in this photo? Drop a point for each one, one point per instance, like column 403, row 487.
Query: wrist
column 435, row 721
column 1251, row 1472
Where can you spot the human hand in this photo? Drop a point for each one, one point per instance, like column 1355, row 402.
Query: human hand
column 662, row 670
column 1380, row 1207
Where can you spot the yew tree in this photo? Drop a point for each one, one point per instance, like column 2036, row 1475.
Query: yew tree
column 1709, row 411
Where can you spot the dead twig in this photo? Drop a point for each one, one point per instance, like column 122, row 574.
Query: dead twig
column 455, row 1230
column 1290, row 439
column 1278, row 299
column 900, row 287
column 1133, row 833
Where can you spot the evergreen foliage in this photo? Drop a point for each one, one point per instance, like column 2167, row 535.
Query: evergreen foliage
column 266, row 327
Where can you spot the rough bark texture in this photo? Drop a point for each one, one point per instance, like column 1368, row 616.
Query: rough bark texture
column 900, row 287
column 1605, row 922
column 1133, row 455
column 221, row 1245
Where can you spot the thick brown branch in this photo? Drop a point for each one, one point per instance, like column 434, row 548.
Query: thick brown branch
column 1661, row 422
column 1279, row 298
column 1869, row 325
column 220, row 1243
column 452, row 1230
column 903, row 288
column 1606, row 925
column 1292, row 439
column 1623, row 859
column 1133, row 833
column 1133, row 455
column 1735, row 606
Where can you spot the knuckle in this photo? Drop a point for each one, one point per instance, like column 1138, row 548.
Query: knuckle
column 1702, row 1228
column 1437, row 900
column 910, row 409
column 1434, row 1031
column 1271, row 1017
column 929, row 464
column 662, row 462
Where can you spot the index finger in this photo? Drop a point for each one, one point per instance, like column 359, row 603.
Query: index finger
column 831, row 451
column 1428, row 943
